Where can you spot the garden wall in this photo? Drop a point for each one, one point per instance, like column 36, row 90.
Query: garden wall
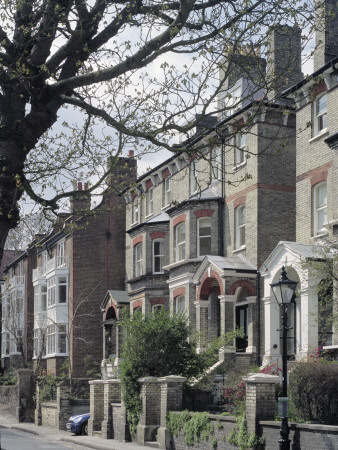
column 223, row 425
column 8, row 398
column 302, row 436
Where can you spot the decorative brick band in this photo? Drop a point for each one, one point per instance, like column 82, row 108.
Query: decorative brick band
column 137, row 304
column 178, row 291
column 149, row 184
column 240, row 201
column 204, row 213
column 206, row 287
column 166, row 173
column 265, row 186
column 157, row 235
column 314, row 172
column 247, row 285
column 137, row 240
column 319, row 177
column 157, row 301
column 179, row 219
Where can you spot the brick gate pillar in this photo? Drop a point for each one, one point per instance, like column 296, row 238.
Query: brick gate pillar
column 171, row 400
column 64, row 409
column 260, row 399
column 37, row 413
column 111, row 394
column 96, row 406
column 151, row 409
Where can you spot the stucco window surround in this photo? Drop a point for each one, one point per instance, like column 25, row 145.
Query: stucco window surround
column 138, row 260
column 180, row 241
column 135, row 211
column 319, row 208
column 150, row 201
column 158, row 255
column 179, row 304
column 319, row 115
column 193, row 176
column 240, row 147
column 240, row 224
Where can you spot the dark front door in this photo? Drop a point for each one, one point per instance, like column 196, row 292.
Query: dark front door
column 242, row 324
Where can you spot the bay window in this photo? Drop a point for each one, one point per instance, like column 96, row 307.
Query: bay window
column 158, row 255
column 204, row 236
column 138, row 267
column 180, row 241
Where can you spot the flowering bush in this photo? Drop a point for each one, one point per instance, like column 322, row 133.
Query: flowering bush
column 233, row 397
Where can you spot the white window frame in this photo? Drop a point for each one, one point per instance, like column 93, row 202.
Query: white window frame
column 61, row 254
column 240, row 147
column 193, row 176
column 159, row 256
column 5, row 341
column 51, row 292
column 240, row 241
column 167, row 191
column 44, row 259
column 319, row 116
column 135, row 210
column 180, row 304
column 138, row 260
column 156, row 307
column 216, row 163
column 200, row 221
column 61, row 331
column 51, row 339
column 318, row 209
column 179, row 245
column 231, row 100
column 150, row 201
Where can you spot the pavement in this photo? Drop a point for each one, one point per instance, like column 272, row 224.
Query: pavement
column 95, row 442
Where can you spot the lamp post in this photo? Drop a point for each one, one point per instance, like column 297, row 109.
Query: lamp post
column 283, row 291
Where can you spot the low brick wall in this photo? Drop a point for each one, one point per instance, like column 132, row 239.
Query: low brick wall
column 302, row 436
column 49, row 411
column 9, row 397
column 223, row 425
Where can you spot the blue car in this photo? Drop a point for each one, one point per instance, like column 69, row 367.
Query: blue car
column 78, row 424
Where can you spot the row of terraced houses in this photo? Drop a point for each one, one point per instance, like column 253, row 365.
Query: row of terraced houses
column 204, row 233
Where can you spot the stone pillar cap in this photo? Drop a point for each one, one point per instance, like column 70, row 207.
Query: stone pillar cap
column 172, row 379
column 148, row 380
column 261, row 378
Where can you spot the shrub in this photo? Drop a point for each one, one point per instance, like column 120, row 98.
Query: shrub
column 8, row 378
column 233, row 397
column 314, row 391
column 195, row 427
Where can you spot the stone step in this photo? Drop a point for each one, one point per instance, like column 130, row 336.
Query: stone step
column 153, row 444
column 97, row 433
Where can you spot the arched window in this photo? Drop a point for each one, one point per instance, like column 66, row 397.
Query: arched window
column 319, row 207
column 240, row 226
column 158, row 255
column 180, row 241
column 157, row 308
column 138, row 266
column 204, row 236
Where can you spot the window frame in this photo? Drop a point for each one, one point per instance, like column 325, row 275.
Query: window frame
column 316, row 209
column 240, row 243
column 216, row 164
column 158, row 306
column 240, row 147
column 199, row 237
column 150, row 201
column 179, row 245
column 167, row 191
column 138, row 260
column 135, row 210
column 319, row 117
column 160, row 256
column 193, row 176
column 180, row 299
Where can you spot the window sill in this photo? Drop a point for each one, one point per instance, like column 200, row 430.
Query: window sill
column 320, row 235
column 134, row 224
column 239, row 249
column 149, row 215
column 322, row 133
column 239, row 166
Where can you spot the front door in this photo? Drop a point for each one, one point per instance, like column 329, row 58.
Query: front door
column 242, row 324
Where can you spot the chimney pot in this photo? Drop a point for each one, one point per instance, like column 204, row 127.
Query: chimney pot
column 131, row 154
column 79, row 186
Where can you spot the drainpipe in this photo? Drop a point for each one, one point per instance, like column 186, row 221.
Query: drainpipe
column 258, row 299
column 221, row 208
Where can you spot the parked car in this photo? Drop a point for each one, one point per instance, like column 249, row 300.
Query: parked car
column 78, row 424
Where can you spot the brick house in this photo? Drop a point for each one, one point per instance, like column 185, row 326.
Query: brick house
column 316, row 99
column 195, row 234
column 65, row 275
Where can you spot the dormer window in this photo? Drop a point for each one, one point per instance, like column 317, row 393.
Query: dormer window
column 231, row 100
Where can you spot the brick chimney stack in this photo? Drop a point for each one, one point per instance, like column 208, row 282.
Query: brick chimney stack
column 284, row 60
column 326, row 33
column 80, row 203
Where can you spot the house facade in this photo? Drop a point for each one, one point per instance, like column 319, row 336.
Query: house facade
column 62, row 278
column 311, row 313
column 200, row 224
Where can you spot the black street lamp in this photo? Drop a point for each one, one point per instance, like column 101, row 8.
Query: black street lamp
column 284, row 291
